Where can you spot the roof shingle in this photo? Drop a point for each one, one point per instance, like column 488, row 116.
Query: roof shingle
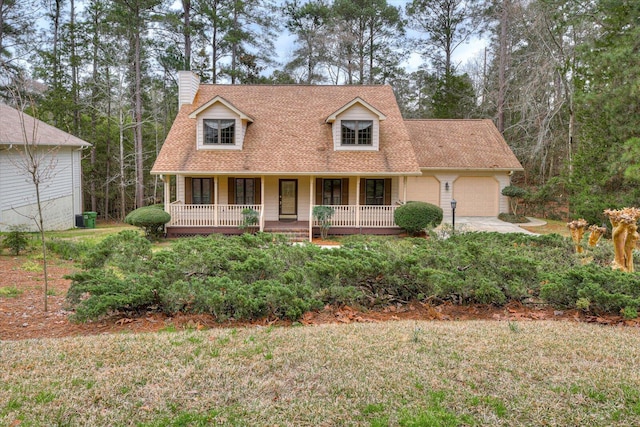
column 11, row 131
column 460, row 144
column 289, row 133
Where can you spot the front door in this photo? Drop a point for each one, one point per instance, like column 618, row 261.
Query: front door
column 288, row 199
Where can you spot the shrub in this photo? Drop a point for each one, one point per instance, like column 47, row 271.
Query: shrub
column 323, row 215
column 126, row 251
column 593, row 288
column 250, row 219
column 414, row 217
column 150, row 218
column 515, row 194
column 68, row 249
column 17, row 239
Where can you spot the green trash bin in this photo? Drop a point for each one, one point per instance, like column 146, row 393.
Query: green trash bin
column 90, row 219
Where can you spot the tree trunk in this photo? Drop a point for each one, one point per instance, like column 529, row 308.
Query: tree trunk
column 502, row 65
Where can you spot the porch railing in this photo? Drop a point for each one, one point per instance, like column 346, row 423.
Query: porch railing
column 362, row 216
column 209, row 215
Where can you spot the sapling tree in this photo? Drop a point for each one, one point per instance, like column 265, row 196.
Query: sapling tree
column 37, row 163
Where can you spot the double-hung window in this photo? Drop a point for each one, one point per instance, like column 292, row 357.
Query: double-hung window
column 245, row 191
column 219, row 131
column 201, row 191
column 374, row 192
column 357, row 132
column 332, row 192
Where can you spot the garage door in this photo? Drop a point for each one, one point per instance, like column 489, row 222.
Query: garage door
column 423, row 189
column 476, row 196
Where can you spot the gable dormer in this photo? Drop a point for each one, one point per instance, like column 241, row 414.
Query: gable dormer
column 220, row 125
column 356, row 126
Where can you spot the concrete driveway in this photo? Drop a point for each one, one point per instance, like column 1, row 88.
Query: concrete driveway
column 490, row 223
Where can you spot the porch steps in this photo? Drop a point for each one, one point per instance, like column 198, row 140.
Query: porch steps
column 293, row 234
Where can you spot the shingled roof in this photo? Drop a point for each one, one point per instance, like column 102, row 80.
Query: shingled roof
column 460, row 144
column 289, row 134
column 11, row 130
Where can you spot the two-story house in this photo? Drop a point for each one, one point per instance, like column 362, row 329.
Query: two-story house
column 283, row 149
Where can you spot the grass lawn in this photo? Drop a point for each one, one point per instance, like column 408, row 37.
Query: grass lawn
column 551, row 226
column 377, row 374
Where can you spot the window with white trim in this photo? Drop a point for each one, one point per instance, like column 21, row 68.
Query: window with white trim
column 356, row 132
column 219, row 131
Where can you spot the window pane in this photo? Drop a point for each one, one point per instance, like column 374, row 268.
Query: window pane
column 206, row 191
column 210, row 131
column 240, row 191
column 249, row 192
column 374, row 191
column 364, row 132
column 348, row 132
column 227, row 131
column 196, row 193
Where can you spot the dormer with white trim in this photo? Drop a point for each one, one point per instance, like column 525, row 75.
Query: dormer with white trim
column 220, row 125
column 356, row 127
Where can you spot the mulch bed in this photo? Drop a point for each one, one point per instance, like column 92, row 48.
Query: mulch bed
column 23, row 316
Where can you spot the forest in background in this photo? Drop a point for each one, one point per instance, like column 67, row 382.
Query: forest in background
column 560, row 78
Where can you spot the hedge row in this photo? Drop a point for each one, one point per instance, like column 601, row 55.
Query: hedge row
column 253, row 276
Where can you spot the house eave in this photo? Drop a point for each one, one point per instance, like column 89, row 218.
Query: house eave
column 282, row 173
column 471, row 169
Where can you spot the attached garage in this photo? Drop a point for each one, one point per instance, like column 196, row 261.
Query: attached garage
column 423, row 189
column 476, row 196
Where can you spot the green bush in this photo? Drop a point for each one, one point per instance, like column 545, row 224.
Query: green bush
column 126, row 251
column 593, row 288
column 150, row 218
column 515, row 195
column 17, row 239
column 323, row 215
column 415, row 217
column 252, row 276
column 68, row 249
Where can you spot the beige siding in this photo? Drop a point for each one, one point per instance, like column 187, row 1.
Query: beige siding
column 423, row 189
column 188, row 84
column 357, row 112
column 476, row 196
column 272, row 194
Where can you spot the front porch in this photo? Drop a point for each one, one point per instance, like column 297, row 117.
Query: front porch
column 282, row 204
column 187, row 220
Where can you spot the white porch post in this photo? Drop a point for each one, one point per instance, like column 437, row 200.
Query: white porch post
column 262, row 204
column 216, row 197
column 166, row 179
column 358, row 202
column 404, row 189
column 312, row 182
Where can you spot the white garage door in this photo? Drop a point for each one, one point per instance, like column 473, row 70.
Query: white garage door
column 423, row 189
column 476, row 196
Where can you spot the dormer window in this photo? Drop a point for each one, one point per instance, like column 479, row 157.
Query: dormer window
column 219, row 131
column 357, row 132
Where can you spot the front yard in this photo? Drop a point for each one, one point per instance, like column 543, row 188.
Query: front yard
column 407, row 373
column 409, row 332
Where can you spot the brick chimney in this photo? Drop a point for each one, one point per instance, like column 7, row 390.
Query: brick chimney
column 188, row 83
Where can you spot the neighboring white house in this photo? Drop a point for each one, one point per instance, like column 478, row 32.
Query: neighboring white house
column 59, row 154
